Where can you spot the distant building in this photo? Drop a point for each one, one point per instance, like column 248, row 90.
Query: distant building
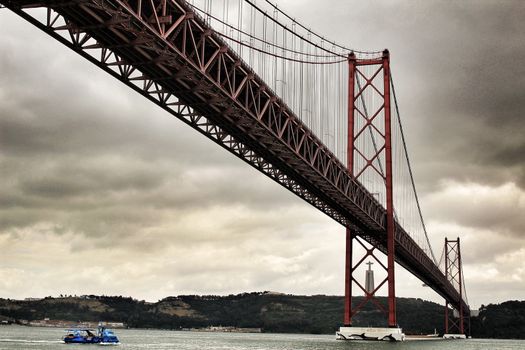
column 269, row 292
column 228, row 329
column 113, row 324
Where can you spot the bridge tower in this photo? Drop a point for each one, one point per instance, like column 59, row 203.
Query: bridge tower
column 375, row 79
column 455, row 318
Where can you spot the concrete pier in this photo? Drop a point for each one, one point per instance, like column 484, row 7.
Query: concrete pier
column 454, row 336
column 370, row 333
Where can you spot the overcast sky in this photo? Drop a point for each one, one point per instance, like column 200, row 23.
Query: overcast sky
column 102, row 192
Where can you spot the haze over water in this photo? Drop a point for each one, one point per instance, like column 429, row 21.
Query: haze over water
column 16, row 337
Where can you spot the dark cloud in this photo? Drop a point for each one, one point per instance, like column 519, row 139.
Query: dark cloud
column 482, row 207
column 458, row 73
column 474, row 89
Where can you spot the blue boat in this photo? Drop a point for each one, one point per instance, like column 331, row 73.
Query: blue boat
column 103, row 336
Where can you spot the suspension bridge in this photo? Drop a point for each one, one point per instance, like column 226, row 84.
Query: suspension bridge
column 319, row 118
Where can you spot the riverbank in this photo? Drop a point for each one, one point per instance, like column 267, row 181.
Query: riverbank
column 269, row 312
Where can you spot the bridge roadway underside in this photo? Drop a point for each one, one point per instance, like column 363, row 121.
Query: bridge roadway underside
column 169, row 54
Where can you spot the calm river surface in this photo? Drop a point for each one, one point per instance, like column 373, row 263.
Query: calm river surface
column 16, row 337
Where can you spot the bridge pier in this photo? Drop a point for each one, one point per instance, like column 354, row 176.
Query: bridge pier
column 370, row 333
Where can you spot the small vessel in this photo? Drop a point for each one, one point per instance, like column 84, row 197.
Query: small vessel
column 107, row 336
column 103, row 336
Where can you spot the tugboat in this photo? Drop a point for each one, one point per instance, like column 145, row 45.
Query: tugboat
column 104, row 336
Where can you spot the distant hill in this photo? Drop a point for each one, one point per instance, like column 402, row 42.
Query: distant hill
column 503, row 321
column 273, row 312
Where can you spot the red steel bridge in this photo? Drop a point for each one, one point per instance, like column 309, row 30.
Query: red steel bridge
column 317, row 117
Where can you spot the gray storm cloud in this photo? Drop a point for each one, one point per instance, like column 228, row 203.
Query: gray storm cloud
column 94, row 176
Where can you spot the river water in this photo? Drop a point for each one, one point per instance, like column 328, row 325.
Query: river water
column 17, row 337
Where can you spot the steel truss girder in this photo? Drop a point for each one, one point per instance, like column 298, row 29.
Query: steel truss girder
column 217, row 85
column 167, row 53
column 248, row 112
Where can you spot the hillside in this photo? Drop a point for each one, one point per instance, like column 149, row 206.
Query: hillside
column 502, row 321
column 270, row 311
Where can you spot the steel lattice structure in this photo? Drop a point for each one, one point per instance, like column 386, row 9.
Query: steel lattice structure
column 168, row 53
column 454, row 273
column 356, row 130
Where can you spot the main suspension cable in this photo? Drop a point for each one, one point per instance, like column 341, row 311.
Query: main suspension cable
column 410, row 167
column 284, row 27
column 265, row 42
column 293, row 32
column 276, row 55
column 463, row 284
column 308, row 30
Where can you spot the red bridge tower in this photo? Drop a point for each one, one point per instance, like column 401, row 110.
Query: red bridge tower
column 376, row 80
